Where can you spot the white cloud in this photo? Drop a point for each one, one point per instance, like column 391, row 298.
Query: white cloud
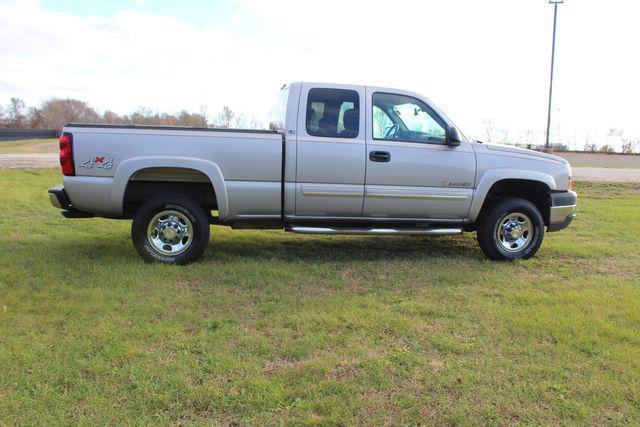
column 478, row 60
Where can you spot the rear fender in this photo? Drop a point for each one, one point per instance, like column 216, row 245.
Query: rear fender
column 127, row 168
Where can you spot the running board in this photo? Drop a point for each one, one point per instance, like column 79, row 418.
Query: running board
column 376, row 231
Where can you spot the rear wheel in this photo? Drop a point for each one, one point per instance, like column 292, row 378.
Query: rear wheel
column 511, row 229
column 170, row 228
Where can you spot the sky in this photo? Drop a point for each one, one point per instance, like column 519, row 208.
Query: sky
column 486, row 63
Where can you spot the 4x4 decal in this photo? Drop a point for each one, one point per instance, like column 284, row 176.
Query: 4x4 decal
column 99, row 162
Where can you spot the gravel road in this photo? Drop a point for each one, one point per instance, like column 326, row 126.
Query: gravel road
column 28, row 161
column 35, row 161
column 606, row 174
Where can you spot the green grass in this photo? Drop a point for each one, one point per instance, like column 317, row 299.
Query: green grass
column 29, row 146
column 278, row 328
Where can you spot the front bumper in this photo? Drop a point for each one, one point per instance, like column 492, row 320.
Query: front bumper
column 563, row 210
column 59, row 199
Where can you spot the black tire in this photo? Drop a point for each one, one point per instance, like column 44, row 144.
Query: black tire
column 489, row 238
column 185, row 211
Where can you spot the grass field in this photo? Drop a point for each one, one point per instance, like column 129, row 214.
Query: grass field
column 277, row 328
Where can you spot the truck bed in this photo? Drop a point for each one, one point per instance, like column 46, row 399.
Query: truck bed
column 245, row 164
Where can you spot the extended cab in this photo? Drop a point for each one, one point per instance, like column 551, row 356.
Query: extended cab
column 340, row 159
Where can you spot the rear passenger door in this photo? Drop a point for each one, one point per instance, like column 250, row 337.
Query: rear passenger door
column 330, row 161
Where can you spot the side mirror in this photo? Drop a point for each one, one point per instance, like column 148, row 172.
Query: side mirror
column 453, row 138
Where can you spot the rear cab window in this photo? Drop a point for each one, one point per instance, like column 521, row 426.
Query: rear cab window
column 278, row 113
column 333, row 113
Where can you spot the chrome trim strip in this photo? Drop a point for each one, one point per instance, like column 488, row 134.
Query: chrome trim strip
column 561, row 213
column 329, row 194
column 416, row 196
column 268, row 216
column 376, row 231
column 373, row 219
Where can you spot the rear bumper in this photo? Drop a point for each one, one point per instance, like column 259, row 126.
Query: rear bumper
column 59, row 199
column 563, row 210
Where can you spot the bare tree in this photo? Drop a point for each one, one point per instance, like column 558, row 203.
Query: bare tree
column 591, row 148
column 224, row 118
column 505, row 136
column 192, row 119
column 16, row 117
column 142, row 116
column 607, row 149
column 55, row 113
column 254, row 123
column 36, row 118
column 240, row 121
column 629, row 145
column 112, row 118
column 204, row 113
column 614, row 136
column 588, row 146
column 58, row 112
column 490, row 128
column 528, row 137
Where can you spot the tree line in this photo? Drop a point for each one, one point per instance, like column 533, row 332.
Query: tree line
column 55, row 113
column 612, row 141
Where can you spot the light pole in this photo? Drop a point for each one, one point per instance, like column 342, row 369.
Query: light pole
column 555, row 4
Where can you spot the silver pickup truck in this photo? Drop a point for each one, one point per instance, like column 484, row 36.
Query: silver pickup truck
column 340, row 159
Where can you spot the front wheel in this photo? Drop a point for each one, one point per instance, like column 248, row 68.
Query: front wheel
column 171, row 229
column 511, row 229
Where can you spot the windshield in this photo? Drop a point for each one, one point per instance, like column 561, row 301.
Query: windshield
column 278, row 112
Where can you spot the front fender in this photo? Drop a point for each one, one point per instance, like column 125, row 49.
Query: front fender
column 490, row 177
column 127, row 168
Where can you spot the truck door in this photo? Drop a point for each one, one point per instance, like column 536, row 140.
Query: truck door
column 330, row 152
column 411, row 172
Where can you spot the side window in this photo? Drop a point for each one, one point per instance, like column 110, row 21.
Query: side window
column 333, row 113
column 403, row 118
column 381, row 123
column 278, row 112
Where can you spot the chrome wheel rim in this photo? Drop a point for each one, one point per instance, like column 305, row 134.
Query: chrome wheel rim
column 170, row 232
column 514, row 232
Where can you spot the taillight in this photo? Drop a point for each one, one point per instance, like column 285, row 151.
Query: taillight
column 66, row 154
column 570, row 182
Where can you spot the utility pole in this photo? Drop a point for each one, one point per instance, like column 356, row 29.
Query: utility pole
column 555, row 4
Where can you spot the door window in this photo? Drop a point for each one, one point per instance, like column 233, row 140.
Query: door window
column 404, row 118
column 333, row 113
column 381, row 122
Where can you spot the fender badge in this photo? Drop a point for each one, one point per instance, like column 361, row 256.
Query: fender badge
column 99, row 162
column 456, row 184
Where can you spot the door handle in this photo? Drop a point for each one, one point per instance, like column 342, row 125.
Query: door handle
column 380, row 156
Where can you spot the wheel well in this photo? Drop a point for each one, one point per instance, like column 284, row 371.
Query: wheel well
column 536, row 192
column 150, row 182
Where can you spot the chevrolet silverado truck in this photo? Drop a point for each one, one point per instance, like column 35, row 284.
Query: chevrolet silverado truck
column 338, row 159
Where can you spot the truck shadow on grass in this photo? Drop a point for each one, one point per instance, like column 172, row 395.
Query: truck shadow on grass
column 278, row 247
column 344, row 248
